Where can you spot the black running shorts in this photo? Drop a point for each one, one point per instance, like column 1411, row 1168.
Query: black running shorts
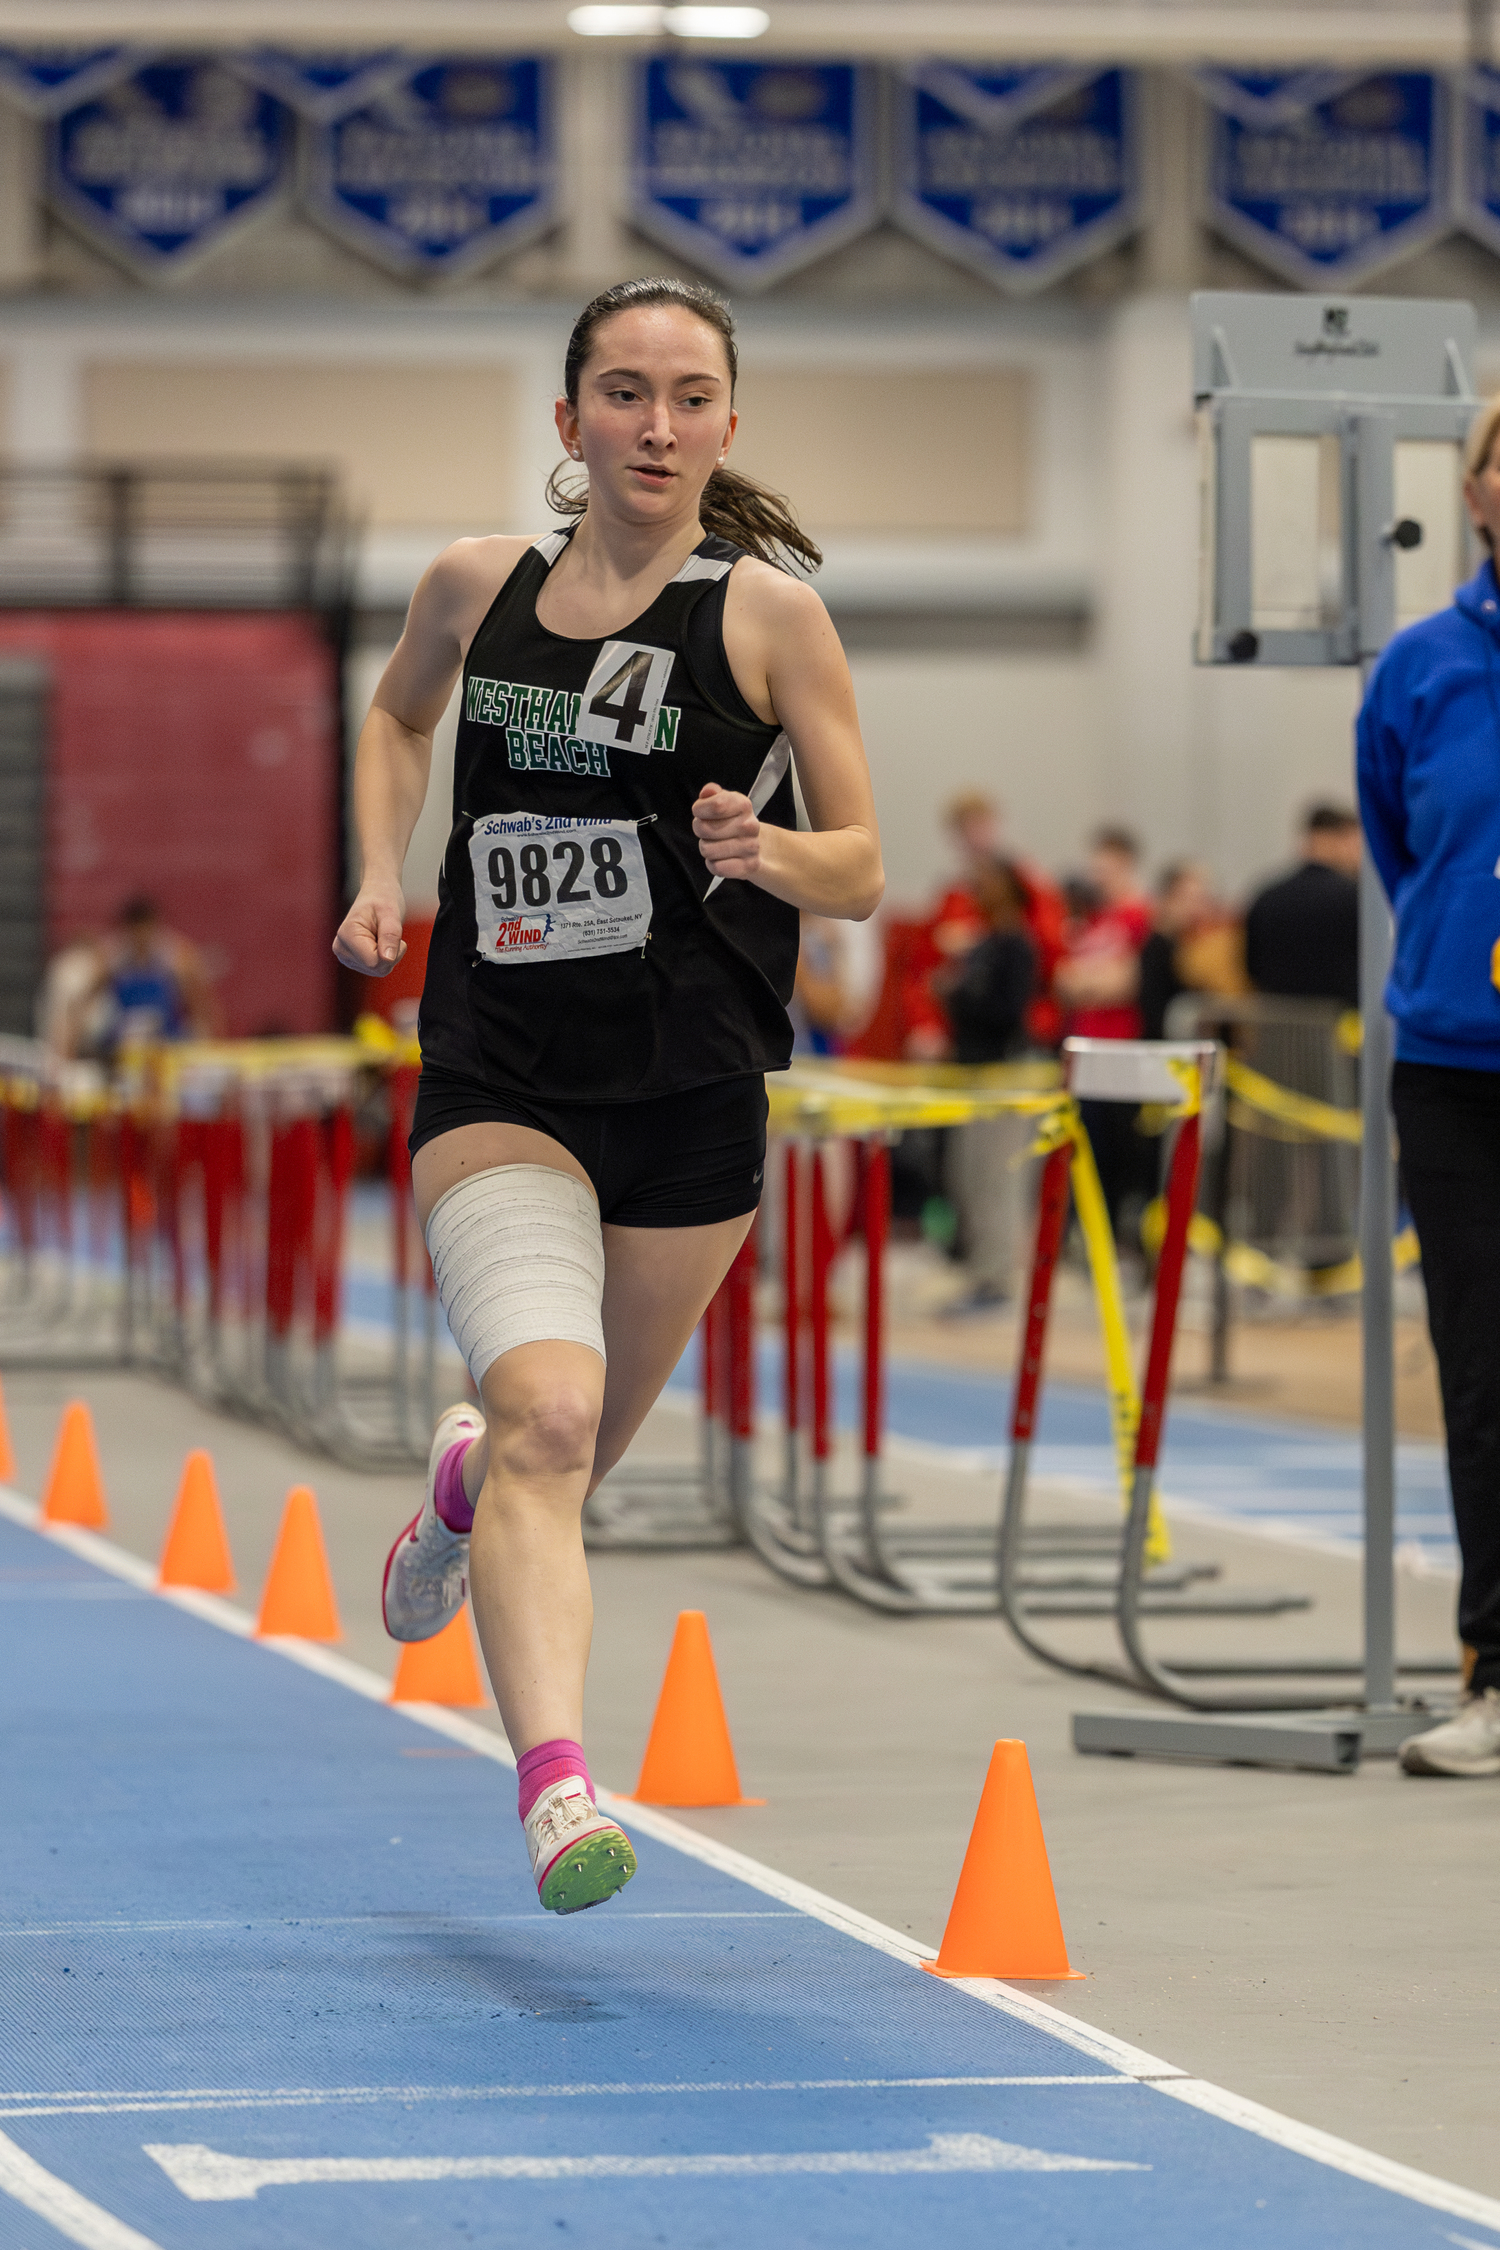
column 677, row 1160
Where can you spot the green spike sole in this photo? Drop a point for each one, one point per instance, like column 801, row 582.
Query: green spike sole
column 589, row 1872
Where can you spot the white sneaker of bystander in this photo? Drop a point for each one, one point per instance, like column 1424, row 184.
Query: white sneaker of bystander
column 1467, row 1746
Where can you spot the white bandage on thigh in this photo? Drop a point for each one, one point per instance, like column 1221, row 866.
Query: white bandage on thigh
column 518, row 1256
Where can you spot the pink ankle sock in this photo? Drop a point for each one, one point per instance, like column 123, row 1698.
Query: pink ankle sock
column 448, row 1495
column 538, row 1769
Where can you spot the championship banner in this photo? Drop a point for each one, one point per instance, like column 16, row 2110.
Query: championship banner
column 45, row 81
column 1021, row 173
column 452, row 163
column 1328, row 193
column 322, row 87
column 170, row 162
column 752, row 170
column 1269, row 97
column 1479, row 156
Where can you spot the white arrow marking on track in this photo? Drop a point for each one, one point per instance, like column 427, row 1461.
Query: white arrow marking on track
column 209, row 2177
column 72, row 2214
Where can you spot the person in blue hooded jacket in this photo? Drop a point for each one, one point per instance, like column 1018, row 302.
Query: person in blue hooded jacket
column 1429, row 792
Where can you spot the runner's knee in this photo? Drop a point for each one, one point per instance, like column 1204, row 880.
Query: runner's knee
column 542, row 1423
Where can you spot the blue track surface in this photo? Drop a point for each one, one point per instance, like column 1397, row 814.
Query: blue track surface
column 249, row 1919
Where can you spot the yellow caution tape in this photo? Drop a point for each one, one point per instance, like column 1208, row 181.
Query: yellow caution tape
column 1038, row 1074
column 255, row 1058
column 1318, row 1120
column 1190, row 1078
column 1124, row 1398
column 1256, row 1269
column 384, row 1043
column 822, row 1101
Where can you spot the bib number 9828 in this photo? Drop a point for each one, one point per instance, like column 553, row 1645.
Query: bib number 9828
column 552, row 890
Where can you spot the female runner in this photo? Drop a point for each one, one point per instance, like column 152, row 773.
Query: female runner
column 607, row 983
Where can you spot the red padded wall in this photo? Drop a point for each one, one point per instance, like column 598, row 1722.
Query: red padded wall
column 196, row 758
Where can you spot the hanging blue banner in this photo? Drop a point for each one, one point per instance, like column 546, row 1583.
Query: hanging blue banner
column 1269, row 97
column 448, row 166
column 321, row 87
column 45, row 81
column 1022, row 173
column 1339, row 188
column 1479, row 156
column 169, row 162
column 753, row 169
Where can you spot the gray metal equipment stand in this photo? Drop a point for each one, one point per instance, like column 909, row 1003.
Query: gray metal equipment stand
column 1331, row 432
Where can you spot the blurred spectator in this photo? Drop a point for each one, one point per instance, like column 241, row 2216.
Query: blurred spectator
column 72, row 1013
column 151, row 980
column 1099, row 982
column 823, row 1010
column 1194, row 947
column 1428, row 764
column 1099, row 978
column 986, row 994
column 975, row 825
column 1302, row 932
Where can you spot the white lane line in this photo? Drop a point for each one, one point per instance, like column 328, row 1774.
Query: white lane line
column 1340, row 2156
column 208, row 2177
column 1100, row 2046
column 72, row 2214
column 121, row 2104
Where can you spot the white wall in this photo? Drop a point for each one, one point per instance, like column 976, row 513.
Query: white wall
column 1022, row 727
column 1125, row 728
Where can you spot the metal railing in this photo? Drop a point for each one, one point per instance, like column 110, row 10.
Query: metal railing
column 232, row 534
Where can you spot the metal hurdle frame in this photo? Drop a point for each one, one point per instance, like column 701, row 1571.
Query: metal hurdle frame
column 1181, row 1077
column 645, row 1506
column 803, row 1531
column 1361, row 375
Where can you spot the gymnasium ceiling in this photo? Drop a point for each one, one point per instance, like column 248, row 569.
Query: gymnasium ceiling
column 1436, row 34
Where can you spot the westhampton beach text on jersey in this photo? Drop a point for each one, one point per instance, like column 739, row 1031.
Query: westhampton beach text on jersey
column 541, row 727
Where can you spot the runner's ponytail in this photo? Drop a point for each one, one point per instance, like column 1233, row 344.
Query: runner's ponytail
column 733, row 507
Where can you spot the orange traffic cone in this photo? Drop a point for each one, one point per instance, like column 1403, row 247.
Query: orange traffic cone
column 689, row 1758
column 1004, row 1920
column 299, row 1592
column 75, row 1489
column 7, row 1450
column 197, row 1548
column 442, row 1670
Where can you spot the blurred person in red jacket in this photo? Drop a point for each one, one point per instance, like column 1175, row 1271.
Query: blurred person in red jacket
column 975, row 824
column 1099, row 984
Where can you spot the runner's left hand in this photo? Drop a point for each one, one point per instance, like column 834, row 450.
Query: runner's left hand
column 728, row 832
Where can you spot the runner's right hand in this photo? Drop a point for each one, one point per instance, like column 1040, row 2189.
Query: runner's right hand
column 369, row 937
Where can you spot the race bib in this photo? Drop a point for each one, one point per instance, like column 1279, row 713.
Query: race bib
column 558, row 890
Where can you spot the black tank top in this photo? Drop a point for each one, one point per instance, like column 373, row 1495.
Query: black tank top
column 582, row 952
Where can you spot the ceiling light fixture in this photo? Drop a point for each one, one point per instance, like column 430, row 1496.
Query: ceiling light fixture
column 717, row 23
column 685, row 23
